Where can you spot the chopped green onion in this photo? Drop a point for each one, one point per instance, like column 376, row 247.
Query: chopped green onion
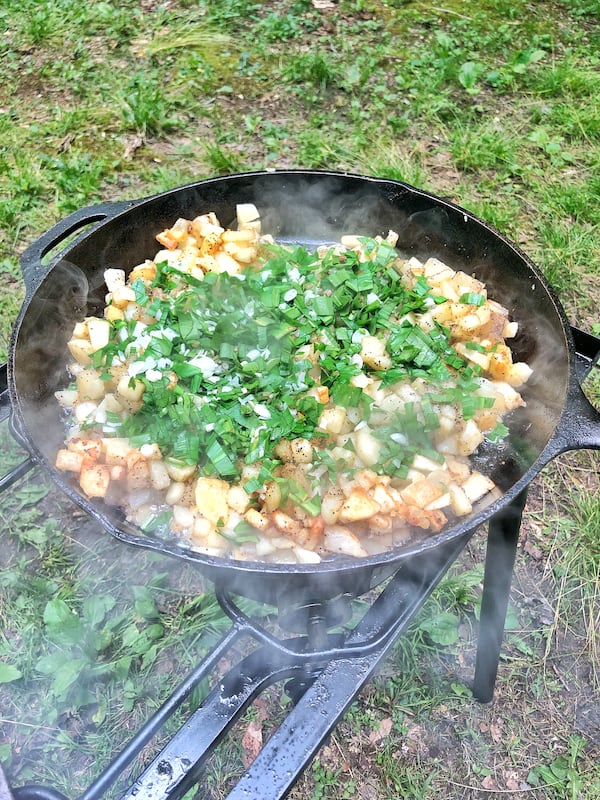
column 498, row 433
column 472, row 299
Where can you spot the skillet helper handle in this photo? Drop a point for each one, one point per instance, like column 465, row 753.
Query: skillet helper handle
column 31, row 260
column 580, row 425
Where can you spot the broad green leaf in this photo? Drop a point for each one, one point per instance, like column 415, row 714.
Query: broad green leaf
column 53, row 663
column 469, row 74
column 68, row 675
column 57, row 613
column 9, row 673
column 62, row 624
column 96, row 607
column 442, row 628
column 144, row 604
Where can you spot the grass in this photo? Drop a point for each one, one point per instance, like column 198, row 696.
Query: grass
column 492, row 105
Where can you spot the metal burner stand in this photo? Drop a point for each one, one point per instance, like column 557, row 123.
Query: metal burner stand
column 324, row 671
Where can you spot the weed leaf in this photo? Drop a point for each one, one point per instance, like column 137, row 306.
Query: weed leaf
column 442, row 628
column 63, row 626
column 469, row 74
column 96, row 607
column 9, row 673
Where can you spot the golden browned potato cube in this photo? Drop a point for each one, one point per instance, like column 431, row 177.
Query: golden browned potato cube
column 421, row 493
column 116, row 450
column 211, row 499
column 69, row 461
column 98, row 332
column 95, row 480
column 90, row 386
column 81, row 350
column 138, row 471
column 357, row 506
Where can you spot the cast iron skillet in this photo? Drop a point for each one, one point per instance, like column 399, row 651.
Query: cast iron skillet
column 306, row 207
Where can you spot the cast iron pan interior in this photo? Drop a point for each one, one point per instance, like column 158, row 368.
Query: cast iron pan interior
column 304, row 207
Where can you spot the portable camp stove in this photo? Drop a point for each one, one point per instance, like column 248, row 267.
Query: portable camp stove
column 324, row 670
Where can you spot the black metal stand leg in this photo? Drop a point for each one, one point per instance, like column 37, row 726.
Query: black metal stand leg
column 503, row 536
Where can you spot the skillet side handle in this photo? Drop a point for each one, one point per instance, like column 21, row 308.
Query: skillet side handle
column 579, row 427
column 31, row 259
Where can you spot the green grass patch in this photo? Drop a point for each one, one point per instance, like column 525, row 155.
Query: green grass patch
column 492, row 105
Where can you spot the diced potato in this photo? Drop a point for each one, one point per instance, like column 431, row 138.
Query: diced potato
column 90, row 386
column 242, row 255
column 67, row 398
column 175, row 492
column 470, row 438
column 301, row 451
column 286, row 524
column 436, row 271
column 81, row 350
column 80, row 330
column 510, row 330
column 459, row 502
column 422, row 493
column 257, row 519
column 264, row 547
column 474, row 356
column 519, row 374
column 511, row 398
column 211, row 499
column 442, row 502
column 116, row 450
column 159, row 477
column 241, row 237
column 138, row 471
column 122, row 296
column 111, row 404
column 90, row 448
column 424, row 464
column 95, row 480
column 98, row 332
column 114, row 279
column 112, row 313
column 331, row 504
column 129, row 389
column 305, row 556
column 367, row 446
column 333, row 419
column 357, row 506
column 384, row 499
column 283, row 450
column 85, row 412
column 238, row 499
column 442, row 313
column 248, row 217
column 338, row 539
column 203, row 533
column 476, row 486
column 270, row 496
column 183, row 517
column 415, row 266
column 145, row 272
column 69, row 461
column 373, row 353
column 179, row 470
column 118, row 473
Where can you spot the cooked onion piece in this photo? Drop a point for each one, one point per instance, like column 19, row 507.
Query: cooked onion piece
column 267, row 403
